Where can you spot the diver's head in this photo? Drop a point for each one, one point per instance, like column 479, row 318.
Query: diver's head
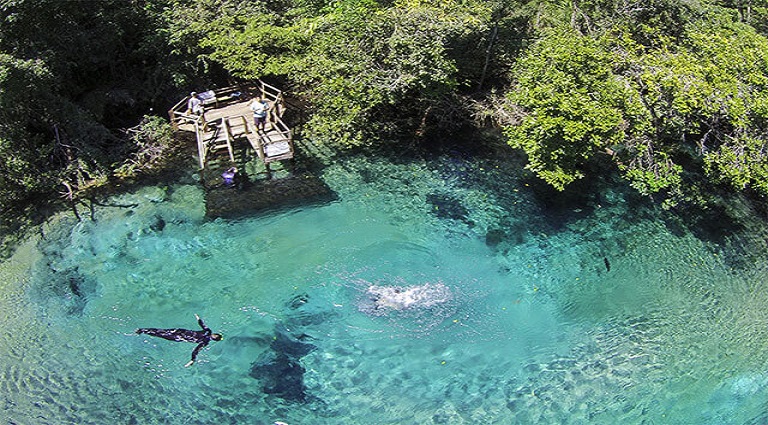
column 217, row 337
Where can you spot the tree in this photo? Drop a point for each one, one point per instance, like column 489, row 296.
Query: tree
column 695, row 107
column 735, row 145
column 574, row 105
column 367, row 69
column 22, row 147
column 70, row 73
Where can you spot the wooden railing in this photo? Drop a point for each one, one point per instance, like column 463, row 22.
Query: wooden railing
column 216, row 135
column 178, row 113
column 276, row 144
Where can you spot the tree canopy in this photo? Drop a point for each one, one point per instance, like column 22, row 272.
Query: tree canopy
column 669, row 93
column 693, row 106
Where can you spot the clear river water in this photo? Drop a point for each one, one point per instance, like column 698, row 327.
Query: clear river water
column 441, row 290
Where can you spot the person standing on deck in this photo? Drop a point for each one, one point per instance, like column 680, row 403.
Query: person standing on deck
column 202, row 338
column 194, row 105
column 260, row 107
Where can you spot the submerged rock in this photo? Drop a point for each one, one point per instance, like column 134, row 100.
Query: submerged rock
column 494, row 237
column 447, row 206
column 158, row 224
column 292, row 345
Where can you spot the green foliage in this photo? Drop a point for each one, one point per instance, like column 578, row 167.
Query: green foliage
column 23, row 154
column 656, row 23
column 24, row 93
column 710, row 99
column 651, row 172
column 343, row 72
column 718, row 75
column 698, row 106
column 69, row 69
column 84, row 44
column 369, row 61
column 574, row 106
column 741, row 162
column 256, row 45
column 368, row 69
column 668, row 90
column 152, row 138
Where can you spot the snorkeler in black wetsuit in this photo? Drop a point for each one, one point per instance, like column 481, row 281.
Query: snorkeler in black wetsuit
column 202, row 338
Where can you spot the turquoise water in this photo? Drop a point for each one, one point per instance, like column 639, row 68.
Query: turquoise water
column 599, row 313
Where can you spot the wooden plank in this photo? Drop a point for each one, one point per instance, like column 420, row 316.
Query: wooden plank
column 232, row 120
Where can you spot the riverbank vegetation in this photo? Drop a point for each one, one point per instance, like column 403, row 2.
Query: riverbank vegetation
column 671, row 95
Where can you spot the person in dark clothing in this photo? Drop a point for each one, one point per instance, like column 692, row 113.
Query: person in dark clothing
column 230, row 176
column 202, row 338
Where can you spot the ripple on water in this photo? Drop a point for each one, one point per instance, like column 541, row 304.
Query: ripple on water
column 604, row 320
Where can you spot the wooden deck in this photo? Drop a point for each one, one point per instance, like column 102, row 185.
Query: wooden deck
column 225, row 136
column 228, row 118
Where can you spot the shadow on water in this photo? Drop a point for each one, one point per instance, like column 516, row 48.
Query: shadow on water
column 253, row 196
column 259, row 188
column 712, row 224
column 279, row 369
column 729, row 223
column 447, row 206
column 70, row 286
column 485, row 162
column 583, row 198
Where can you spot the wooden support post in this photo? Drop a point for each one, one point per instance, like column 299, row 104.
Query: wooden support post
column 200, row 145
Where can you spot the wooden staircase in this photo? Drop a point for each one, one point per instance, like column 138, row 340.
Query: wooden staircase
column 228, row 120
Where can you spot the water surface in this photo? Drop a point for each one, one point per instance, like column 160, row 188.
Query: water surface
column 598, row 312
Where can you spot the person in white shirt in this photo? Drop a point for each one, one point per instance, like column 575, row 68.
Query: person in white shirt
column 194, row 105
column 260, row 107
